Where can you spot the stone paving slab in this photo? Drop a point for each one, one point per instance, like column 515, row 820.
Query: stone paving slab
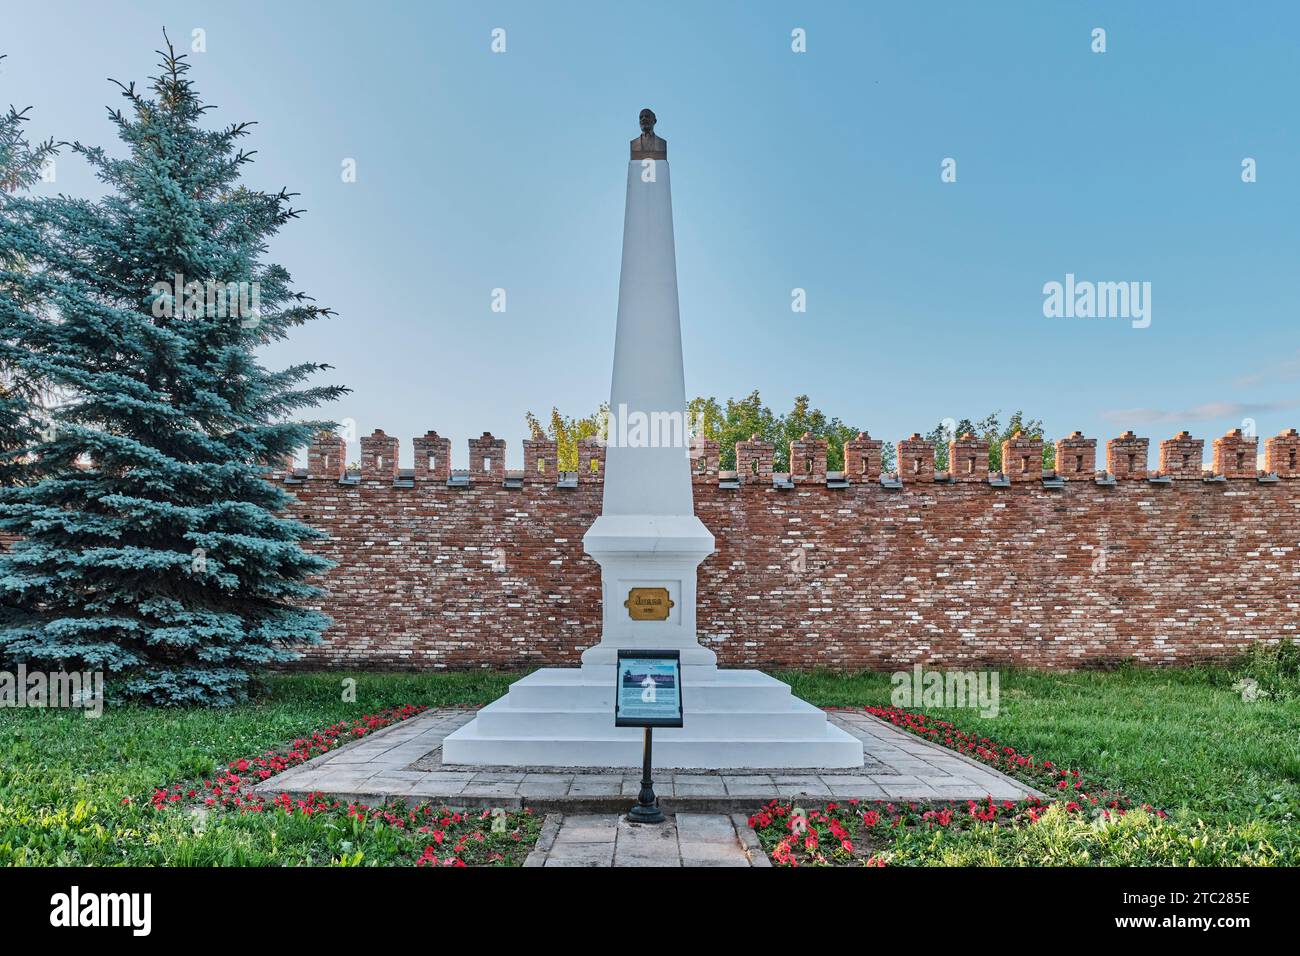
column 404, row 762
column 683, row 839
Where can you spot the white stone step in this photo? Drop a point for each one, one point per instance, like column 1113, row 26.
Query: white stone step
column 564, row 717
column 593, row 689
column 621, row 747
column 794, row 718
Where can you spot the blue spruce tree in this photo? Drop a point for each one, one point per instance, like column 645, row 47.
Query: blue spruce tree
column 20, row 166
column 151, row 545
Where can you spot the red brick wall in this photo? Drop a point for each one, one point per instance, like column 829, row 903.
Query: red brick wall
column 949, row 573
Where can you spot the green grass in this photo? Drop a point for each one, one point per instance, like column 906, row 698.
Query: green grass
column 63, row 776
column 1226, row 771
column 1172, row 738
column 1181, row 740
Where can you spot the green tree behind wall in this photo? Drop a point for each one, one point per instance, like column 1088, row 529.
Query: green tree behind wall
column 992, row 430
column 566, row 432
column 735, row 420
column 23, row 397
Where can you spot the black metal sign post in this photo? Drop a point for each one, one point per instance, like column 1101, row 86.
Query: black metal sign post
column 646, row 809
column 648, row 693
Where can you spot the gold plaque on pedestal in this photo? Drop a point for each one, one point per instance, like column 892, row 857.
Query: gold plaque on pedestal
column 648, row 604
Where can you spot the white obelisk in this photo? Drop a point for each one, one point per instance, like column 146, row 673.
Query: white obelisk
column 648, row 541
column 648, row 535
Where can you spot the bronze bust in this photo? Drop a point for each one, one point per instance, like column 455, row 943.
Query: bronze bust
column 648, row 145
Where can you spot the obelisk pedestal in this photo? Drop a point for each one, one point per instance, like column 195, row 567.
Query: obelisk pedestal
column 649, row 544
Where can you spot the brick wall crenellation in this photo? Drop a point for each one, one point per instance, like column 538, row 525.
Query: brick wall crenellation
column 956, row 572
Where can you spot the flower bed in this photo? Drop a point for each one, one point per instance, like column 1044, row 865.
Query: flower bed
column 858, row 833
column 424, row 835
column 983, row 833
column 875, row 833
column 230, row 788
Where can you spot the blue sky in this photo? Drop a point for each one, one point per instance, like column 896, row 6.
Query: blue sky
column 818, row 170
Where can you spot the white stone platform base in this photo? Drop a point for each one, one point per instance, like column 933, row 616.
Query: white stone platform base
column 734, row 719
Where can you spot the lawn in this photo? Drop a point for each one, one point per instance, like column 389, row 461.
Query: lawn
column 63, row 778
column 1226, row 773
column 1172, row 738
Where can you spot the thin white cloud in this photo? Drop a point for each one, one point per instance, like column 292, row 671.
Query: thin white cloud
column 1287, row 370
column 1197, row 413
